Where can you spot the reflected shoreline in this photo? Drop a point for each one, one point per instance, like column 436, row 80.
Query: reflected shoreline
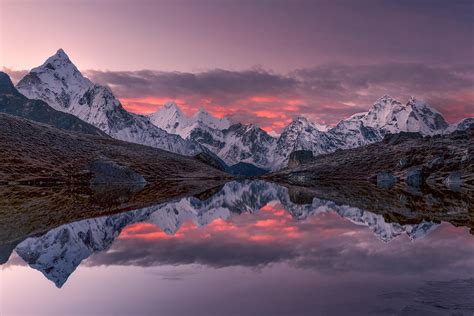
column 387, row 213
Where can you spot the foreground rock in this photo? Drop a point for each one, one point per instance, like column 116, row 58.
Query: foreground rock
column 106, row 171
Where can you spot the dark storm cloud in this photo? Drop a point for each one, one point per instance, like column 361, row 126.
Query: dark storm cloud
column 417, row 77
column 218, row 82
column 327, row 92
column 331, row 80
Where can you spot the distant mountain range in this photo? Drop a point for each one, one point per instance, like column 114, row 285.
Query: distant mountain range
column 248, row 143
column 61, row 85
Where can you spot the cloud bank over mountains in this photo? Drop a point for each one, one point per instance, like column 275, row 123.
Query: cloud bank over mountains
column 324, row 93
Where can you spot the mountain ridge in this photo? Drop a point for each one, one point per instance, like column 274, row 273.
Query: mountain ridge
column 59, row 83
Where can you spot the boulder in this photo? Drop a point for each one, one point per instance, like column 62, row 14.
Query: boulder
column 453, row 181
column 109, row 172
column 435, row 163
column 415, row 177
column 299, row 157
column 386, row 180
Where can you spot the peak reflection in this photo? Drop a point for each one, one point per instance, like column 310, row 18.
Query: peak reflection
column 247, row 223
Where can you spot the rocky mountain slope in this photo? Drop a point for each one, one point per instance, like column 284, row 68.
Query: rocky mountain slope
column 389, row 116
column 14, row 103
column 61, row 85
column 248, row 143
column 33, row 152
column 406, row 158
column 386, row 115
column 233, row 143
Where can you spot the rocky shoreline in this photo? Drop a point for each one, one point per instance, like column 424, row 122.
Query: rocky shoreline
column 404, row 159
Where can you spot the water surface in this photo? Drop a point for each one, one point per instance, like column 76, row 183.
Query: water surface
column 246, row 248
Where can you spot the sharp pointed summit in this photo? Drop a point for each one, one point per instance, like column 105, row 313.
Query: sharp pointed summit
column 59, row 83
column 390, row 116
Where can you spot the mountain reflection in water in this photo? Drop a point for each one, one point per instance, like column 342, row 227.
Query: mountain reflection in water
column 258, row 225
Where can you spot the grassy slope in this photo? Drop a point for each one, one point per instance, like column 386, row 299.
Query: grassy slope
column 32, row 152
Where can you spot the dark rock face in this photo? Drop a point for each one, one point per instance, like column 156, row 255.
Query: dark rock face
column 6, row 251
column 6, row 85
column 415, row 177
column 385, row 180
column 14, row 103
column 299, row 157
column 212, row 161
column 204, row 137
column 106, row 171
column 395, row 139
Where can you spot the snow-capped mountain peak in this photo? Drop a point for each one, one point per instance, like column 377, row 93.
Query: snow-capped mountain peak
column 209, row 120
column 302, row 134
column 385, row 111
column 390, row 116
column 386, row 100
column 172, row 119
column 59, row 83
column 307, row 123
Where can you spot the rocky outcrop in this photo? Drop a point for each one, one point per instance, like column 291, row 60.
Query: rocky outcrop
column 299, row 157
column 109, row 172
column 211, row 160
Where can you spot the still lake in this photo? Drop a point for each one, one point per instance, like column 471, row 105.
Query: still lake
column 249, row 248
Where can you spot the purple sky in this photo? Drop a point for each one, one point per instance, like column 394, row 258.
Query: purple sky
column 263, row 62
